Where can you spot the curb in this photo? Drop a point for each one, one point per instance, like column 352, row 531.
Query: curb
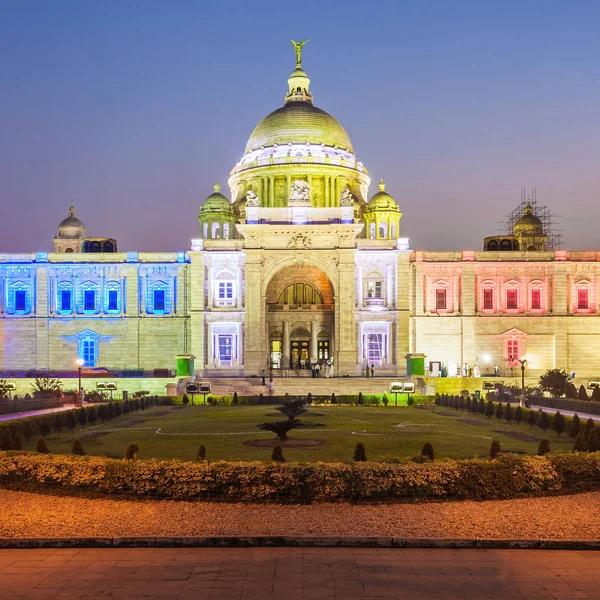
column 298, row 541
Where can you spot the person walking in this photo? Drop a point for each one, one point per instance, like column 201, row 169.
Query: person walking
column 317, row 370
column 372, row 371
column 263, row 377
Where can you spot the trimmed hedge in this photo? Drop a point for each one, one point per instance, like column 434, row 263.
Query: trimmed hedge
column 508, row 476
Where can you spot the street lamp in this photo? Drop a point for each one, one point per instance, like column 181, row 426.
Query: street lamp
column 522, row 361
column 79, row 363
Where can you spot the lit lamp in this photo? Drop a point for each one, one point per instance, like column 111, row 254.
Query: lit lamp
column 522, row 361
column 79, row 363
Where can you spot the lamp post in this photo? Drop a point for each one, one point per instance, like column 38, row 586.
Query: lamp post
column 522, row 361
column 79, row 363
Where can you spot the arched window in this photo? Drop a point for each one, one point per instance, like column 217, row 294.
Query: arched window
column 108, row 247
column 393, row 231
column 226, row 231
column 516, row 245
column 372, row 231
column 300, row 293
column 95, row 247
column 492, row 245
column 383, row 230
column 216, row 230
column 505, row 245
column 205, row 231
column 68, row 250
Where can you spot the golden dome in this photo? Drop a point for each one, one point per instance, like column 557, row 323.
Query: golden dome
column 528, row 224
column 299, row 123
column 382, row 201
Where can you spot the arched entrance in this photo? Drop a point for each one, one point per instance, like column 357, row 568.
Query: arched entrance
column 300, row 319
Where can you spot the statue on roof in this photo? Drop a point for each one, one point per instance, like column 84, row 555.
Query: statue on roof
column 252, row 199
column 346, row 198
column 298, row 50
column 299, row 193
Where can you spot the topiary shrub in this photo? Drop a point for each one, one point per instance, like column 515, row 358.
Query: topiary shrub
column 589, row 425
column 544, row 447
column 27, row 430
column 468, row 404
column 77, row 447
column 582, row 393
column 82, row 417
column 17, row 444
column 494, row 449
column 118, row 409
column 489, row 409
column 410, row 401
column 333, row 398
column 384, row 400
column 596, row 394
column 360, row 454
column 427, row 451
column 185, row 400
column 543, row 421
column 509, row 413
column 571, row 391
column 110, row 411
column 44, row 427
column 531, row 419
column 592, row 442
column 235, row 399
column 518, row 415
column 499, row 413
column 482, row 407
column 6, row 440
column 575, row 426
column 474, row 405
column 132, row 451
column 277, row 454
column 92, row 417
column 42, row 446
column 292, row 408
column 126, row 407
column 58, row 423
column 280, row 428
column 201, row 453
column 70, row 421
column 361, row 400
column 102, row 413
column 260, row 399
column 579, row 444
column 558, row 423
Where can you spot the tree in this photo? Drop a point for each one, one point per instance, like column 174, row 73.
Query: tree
column 579, row 445
column 102, row 414
column 126, row 407
column 132, row 451
column 593, row 443
column 292, row 408
column 543, row 421
column 333, row 398
column 482, row 406
column 596, row 394
column 6, row 440
column 468, row 404
column 554, row 381
column 70, row 421
column 58, row 423
column 48, row 387
column 509, row 413
column 277, row 454
column 185, row 400
column 558, row 423
column 531, row 419
column 77, row 447
column 119, row 410
column 582, row 394
column 201, row 453
column 361, row 400
column 589, row 425
column 384, row 400
column 360, row 454
column 499, row 411
column 27, row 430
column 474, row 405
column 42, row 446
column 82, row 417
column 571, row 390
column 575, row 426
column 235, row 399
column 489, row 409
column 544, row 447
column 44, row 427
column 427, row 451
column 494, row 449
column 518, row 415
column 280, row 428
column 17, row 444
column 110, row 411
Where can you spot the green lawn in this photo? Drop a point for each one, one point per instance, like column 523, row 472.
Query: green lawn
column 177, row 432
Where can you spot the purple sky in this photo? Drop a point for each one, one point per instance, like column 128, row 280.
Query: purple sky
column 135, row 108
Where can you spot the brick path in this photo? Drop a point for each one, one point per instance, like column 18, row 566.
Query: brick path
column 298, row 573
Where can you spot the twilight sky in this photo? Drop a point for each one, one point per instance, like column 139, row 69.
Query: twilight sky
column 134, row 108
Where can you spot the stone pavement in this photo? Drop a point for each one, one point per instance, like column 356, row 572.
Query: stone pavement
column 37, row 413
column 298, row 573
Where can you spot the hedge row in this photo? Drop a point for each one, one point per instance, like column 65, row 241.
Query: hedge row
column 508, row 476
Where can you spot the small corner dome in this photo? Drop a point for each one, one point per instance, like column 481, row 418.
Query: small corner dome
column 71, row 227
column 382, row 201
column 216, row 201
column 529, row 224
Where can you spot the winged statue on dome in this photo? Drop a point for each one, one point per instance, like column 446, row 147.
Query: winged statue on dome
column 298, row 50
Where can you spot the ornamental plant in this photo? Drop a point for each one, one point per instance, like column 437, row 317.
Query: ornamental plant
column 494, row 449
column 201, row 453
column 118, row 409
column 27, row 430
column 509, row 413
column 518, row 415
column 558, row 423
column 17, row 444
column 543, row 421
column 593, row 443
column 582, row 393
column 42, row 446
column 77, row 447
column 596, row 394
column 575, row 426
column 70, row 421
column 427, row 451
column 102, row 413
column 58, row 423
column 361, row 400
column 110, row 411
column 384, row 400
column 126, row 408
column 44, row 427
column 280, row 428
column 482, row 407
column 571, row 391
column 489, row 409
column 474, row 405
column 132, row 451
column 499, row 410
column 292, row 408
column 185, row 400
column 92, row 417
column 544, row 447
column 554, row 381
column 6, row 440
column 589, row 426
column 360, row 454
column 532, row 419
column 579, row 445
column 235, row 399
column 277, row 454
column 82, row 417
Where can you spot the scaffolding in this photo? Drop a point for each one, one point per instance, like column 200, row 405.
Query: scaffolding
column 549, row 219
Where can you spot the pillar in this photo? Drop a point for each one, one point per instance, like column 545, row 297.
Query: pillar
column 285, row 346
column 326, row 186
column 310, row 188
column 314, row 352
column 271, row 191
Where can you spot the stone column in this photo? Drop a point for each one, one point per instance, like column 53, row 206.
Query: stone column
column 285, row 346
column 326, row 187
column 271, row 191
column 314, row 351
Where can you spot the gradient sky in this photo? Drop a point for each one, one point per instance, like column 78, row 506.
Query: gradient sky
column 134, row 108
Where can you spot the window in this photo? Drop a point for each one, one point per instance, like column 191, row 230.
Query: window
column 226, row 231
column 159, row 300
column 225, row 290
column 383, row 230
column 205, row 231
column 20, row 300
column 372, row 231
column 373, row 346
column 440, row 299
column 300, row 293
column 513, row 351
column 88, row 352
column 225, row 347
column 511, row 300
column 374, row 289
column 65, row 301
column 536, row 299
column 488, row 299
column 89, row 300
column 582, row 299
column 216, row 228
column 113, row 300
column 393, row 230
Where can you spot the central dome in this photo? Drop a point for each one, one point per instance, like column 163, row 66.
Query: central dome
column 299, row 123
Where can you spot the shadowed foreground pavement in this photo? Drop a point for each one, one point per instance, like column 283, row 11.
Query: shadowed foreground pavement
column 298, row 573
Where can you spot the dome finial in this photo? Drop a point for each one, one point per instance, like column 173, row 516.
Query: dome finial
column 72, row 208
column 298, row 82
column 298, row 50
column 217, row 186
column 381, row 186
column 528, row 209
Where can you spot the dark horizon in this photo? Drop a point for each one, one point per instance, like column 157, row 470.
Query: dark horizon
column 135, row 114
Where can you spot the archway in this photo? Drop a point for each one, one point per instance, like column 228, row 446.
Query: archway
column 299, row 319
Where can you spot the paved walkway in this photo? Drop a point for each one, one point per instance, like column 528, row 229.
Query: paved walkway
column 299, row 573
column 567, row 413
column 36, row 413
